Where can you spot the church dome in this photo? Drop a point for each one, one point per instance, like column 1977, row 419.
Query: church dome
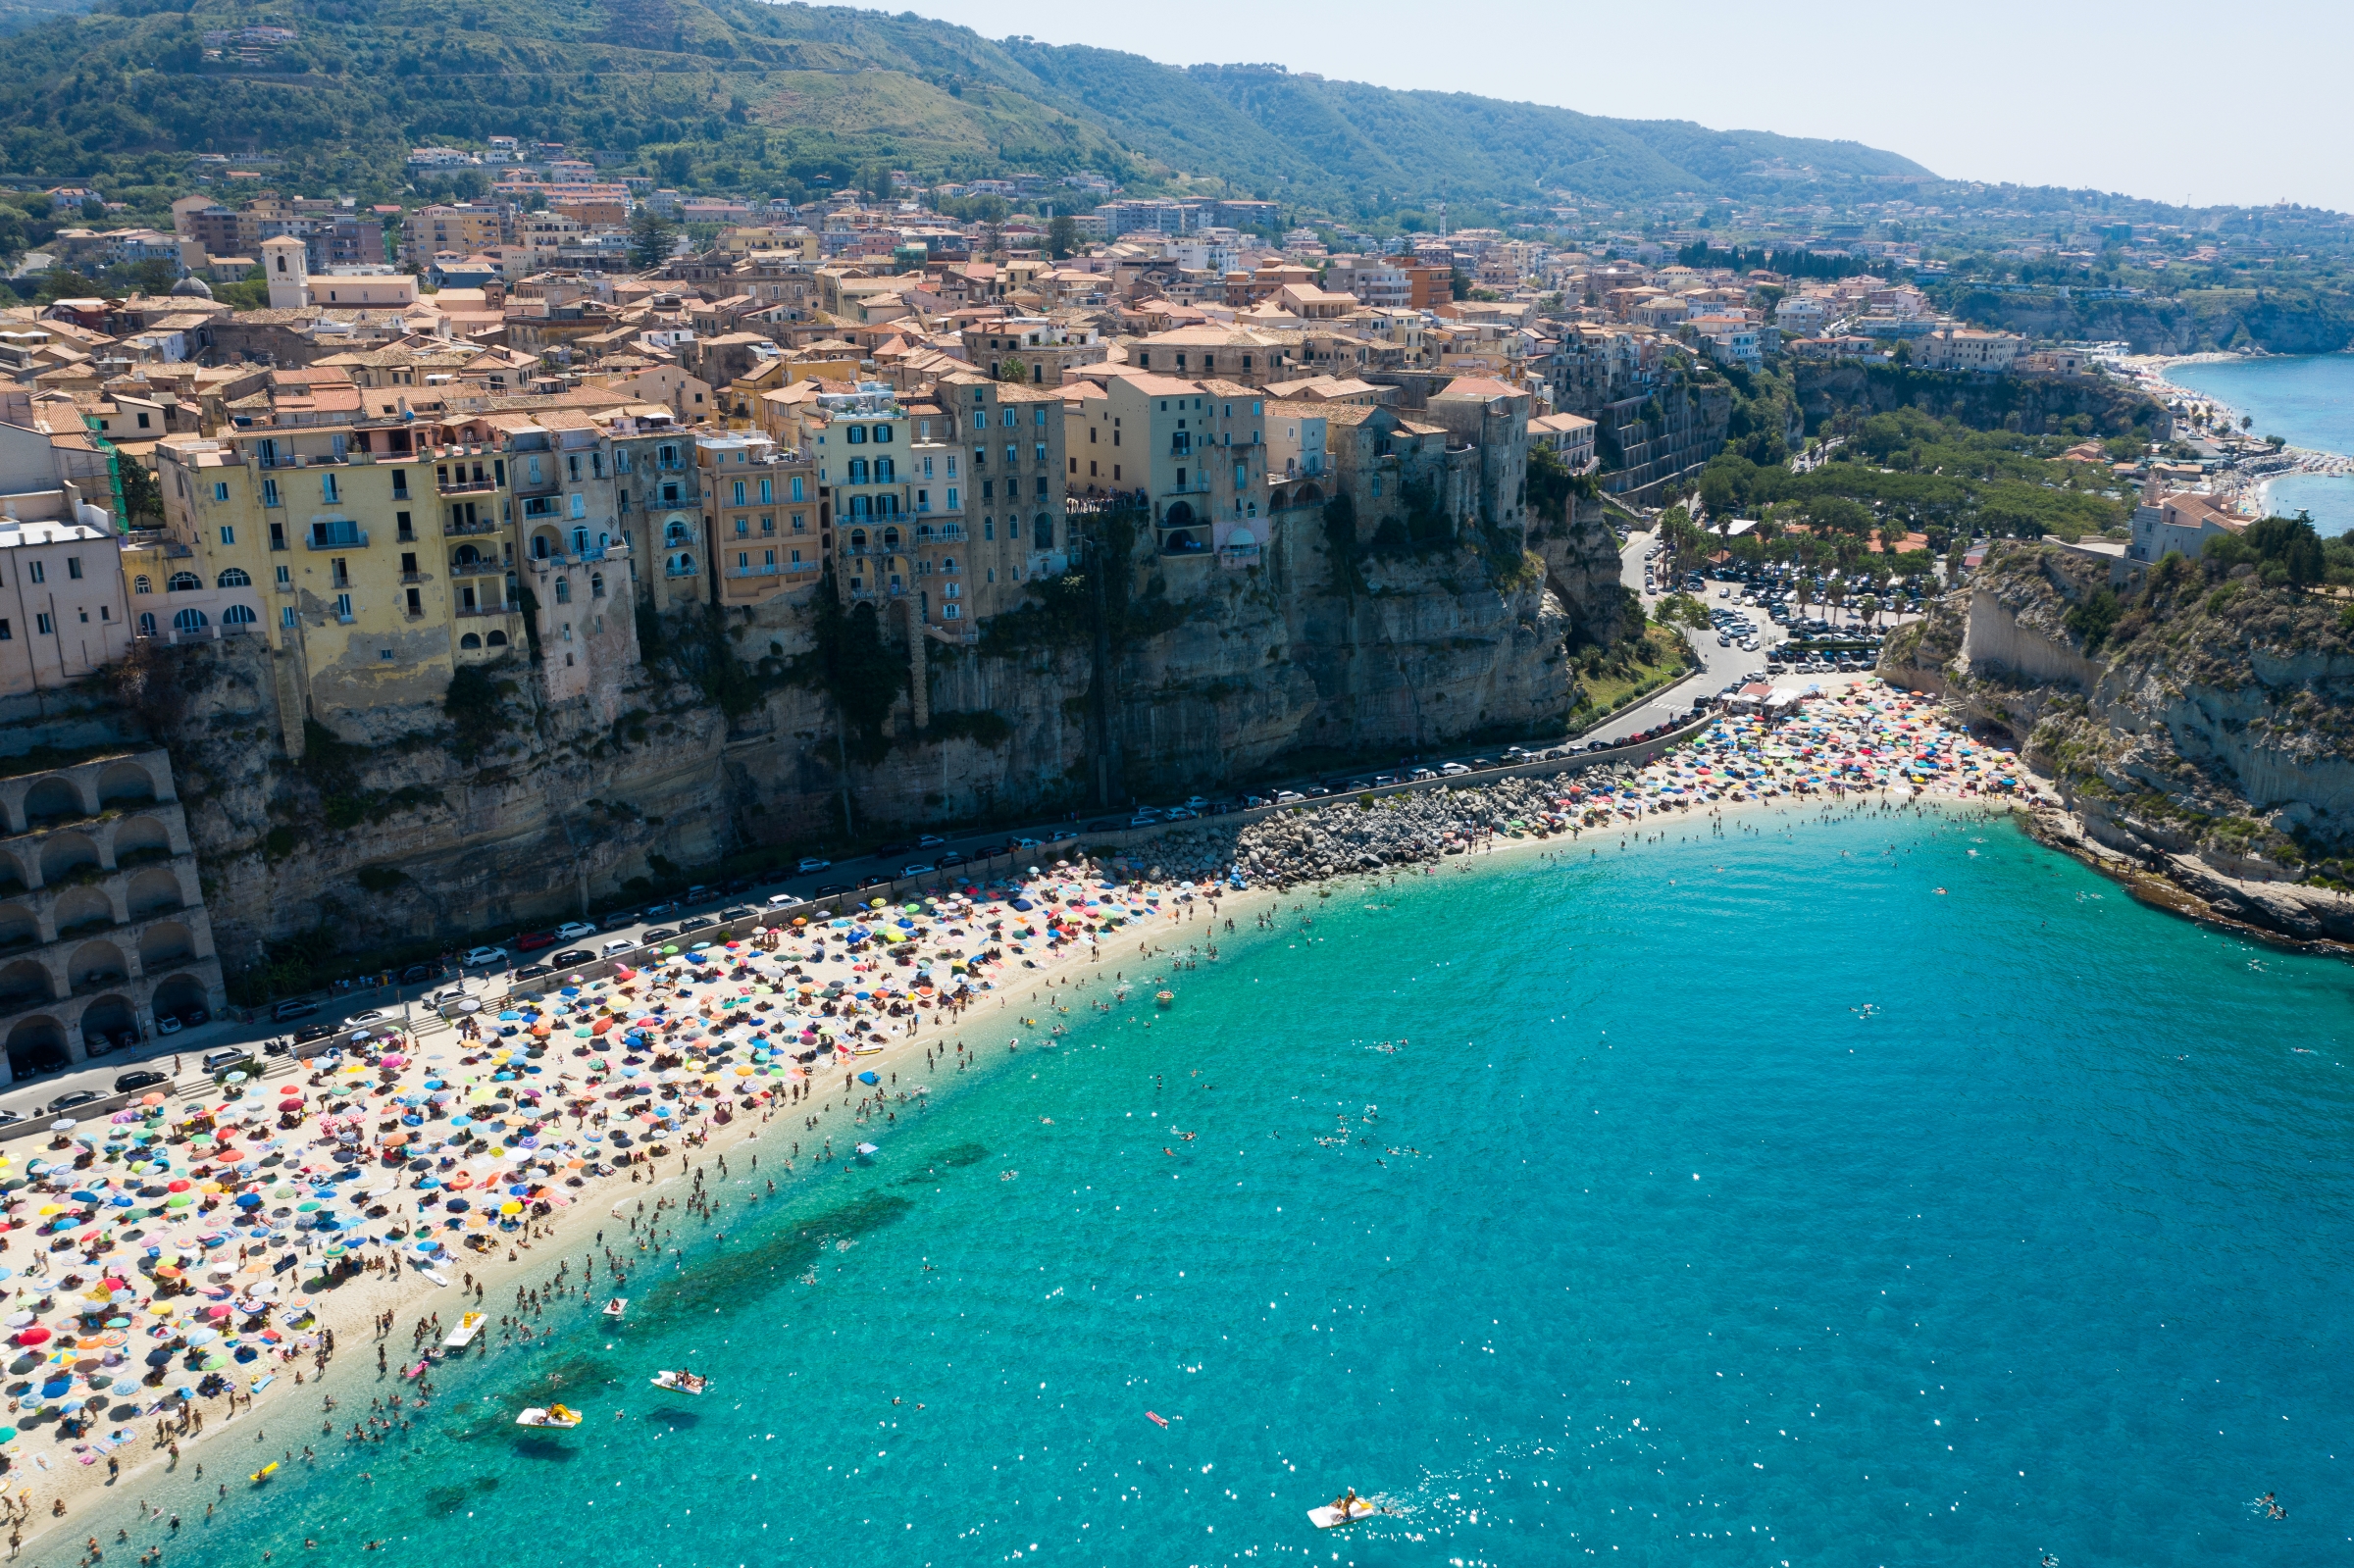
column 191, row 287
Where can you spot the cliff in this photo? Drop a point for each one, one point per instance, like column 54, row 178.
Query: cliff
column 2196, row 723
column 779, row 727
column 2037, row 405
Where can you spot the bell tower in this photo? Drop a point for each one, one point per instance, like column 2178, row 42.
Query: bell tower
column 285, row 261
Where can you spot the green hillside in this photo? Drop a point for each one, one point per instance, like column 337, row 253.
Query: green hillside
column 738, row 94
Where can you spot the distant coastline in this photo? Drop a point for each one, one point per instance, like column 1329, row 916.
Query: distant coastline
column 2313, row 471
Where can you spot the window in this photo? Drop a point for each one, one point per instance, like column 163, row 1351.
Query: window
column 563, row 590
column 856, row 473
column 189, row 620
column 234, row 578
column 269, row 492
column 855, row 434
column 739, row 492
column 797, row 488
column 989, row 528
column 416, row 604
column 768, row 491
column 408, row 530
column 1013, row 527
column 342, row 606
column 768, row 524
column 37, row 570
column 285, row 618
column 597, row 585
column 1041, row 532
column 219, row 489
column 470, row 640
column 327, row 489
column 744, row 526
column 952, row 499
column 285, row 578
column 181, row 582
column 238, row 614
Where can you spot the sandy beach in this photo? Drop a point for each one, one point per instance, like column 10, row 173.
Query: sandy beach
column 574, row 1091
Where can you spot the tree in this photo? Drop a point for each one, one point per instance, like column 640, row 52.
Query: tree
column 1063, row 235
column 651, row 238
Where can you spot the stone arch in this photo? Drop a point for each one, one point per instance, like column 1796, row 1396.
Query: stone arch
column 19, row 927
column 165, row 943
column 53, row 800
column 470, row 640
column 177, row 995
column 96, row 966
column 1277, row 500
column 36, row 1045
column 1308, row 495
column 497, row 639
column 81, row 908
column 141, row 839
column 24, row 982
column 152, row 891
column 11, row 874
column 65, row 854
column 125, row 783
column 109, row 1024
column 1181, row 516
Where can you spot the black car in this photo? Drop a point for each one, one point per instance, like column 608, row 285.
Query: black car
column 311, row 1031
column 737, row 912
column 533, row 971
column 952, row 858
column 417, row 973
column 880, row 880
column 741, row 884
column 143, row 1078
column 1103, row 827
column 832, row 890
column 66, row 1102
column 656, row 934
column 697, row 923
column 886, row 851
column 573, row 955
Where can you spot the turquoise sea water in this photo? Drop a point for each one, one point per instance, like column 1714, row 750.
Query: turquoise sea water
column 1744, row 1200
column 2307, row 400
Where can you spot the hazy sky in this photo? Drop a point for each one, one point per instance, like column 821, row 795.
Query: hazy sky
column 2246, row 102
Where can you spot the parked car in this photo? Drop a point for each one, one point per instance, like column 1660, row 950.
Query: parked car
column 531, row 941
column 656, row 934
column 736, row 912
column 288, row 1011
column 483, row 957
column 534, row 971
column 811, row 864
column 1421, row 773
column 1455, row 770
column 418, row 974
column 618, row 919
column 1316, row 791
column 1252, row 802
column 572, row 931
column 167, row 1025
column 1381, row 779
column 877, row 879
column 890, row 851
column 140, row 1077
column 658, row 911
column 917, row 870
column 1289, row 797
column 695, row 923
column 930, row 840
column 80, row 1096
column 1025, row 843
column 619, row 945
column 952, row 858
column 1197, row 803
column 573, row 955
column 833, row 889
column 311, row 1031
column 1182, row 813
column 214, row 1061
column 361, row 1020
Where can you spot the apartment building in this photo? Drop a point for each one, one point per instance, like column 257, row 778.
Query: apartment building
column 1194, row 453
column 761, row 517
column 62, row 610
column 463, row 229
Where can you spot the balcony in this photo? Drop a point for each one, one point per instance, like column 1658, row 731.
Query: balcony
column 487, row 609
column 338, row 539
column 467, row 486
column 766, row 569
column 412, row 577
column 489, row 525
column 680, row 572
column 477, row 569
column 944, row 533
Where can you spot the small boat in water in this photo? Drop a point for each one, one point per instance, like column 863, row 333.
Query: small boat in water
column 555, row 1415
column 681, row 1382
column 468, row 1327
column 1347, row 1508
column 617, row 1306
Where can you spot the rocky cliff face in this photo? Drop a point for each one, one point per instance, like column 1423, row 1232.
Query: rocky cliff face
column 2038, row 405
column 2200, row 726
column 418, row 826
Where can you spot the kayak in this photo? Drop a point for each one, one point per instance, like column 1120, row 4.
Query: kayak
column 468, row 1327
column 1326, row 1517
column 553, row 1416
column 680, row 1382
